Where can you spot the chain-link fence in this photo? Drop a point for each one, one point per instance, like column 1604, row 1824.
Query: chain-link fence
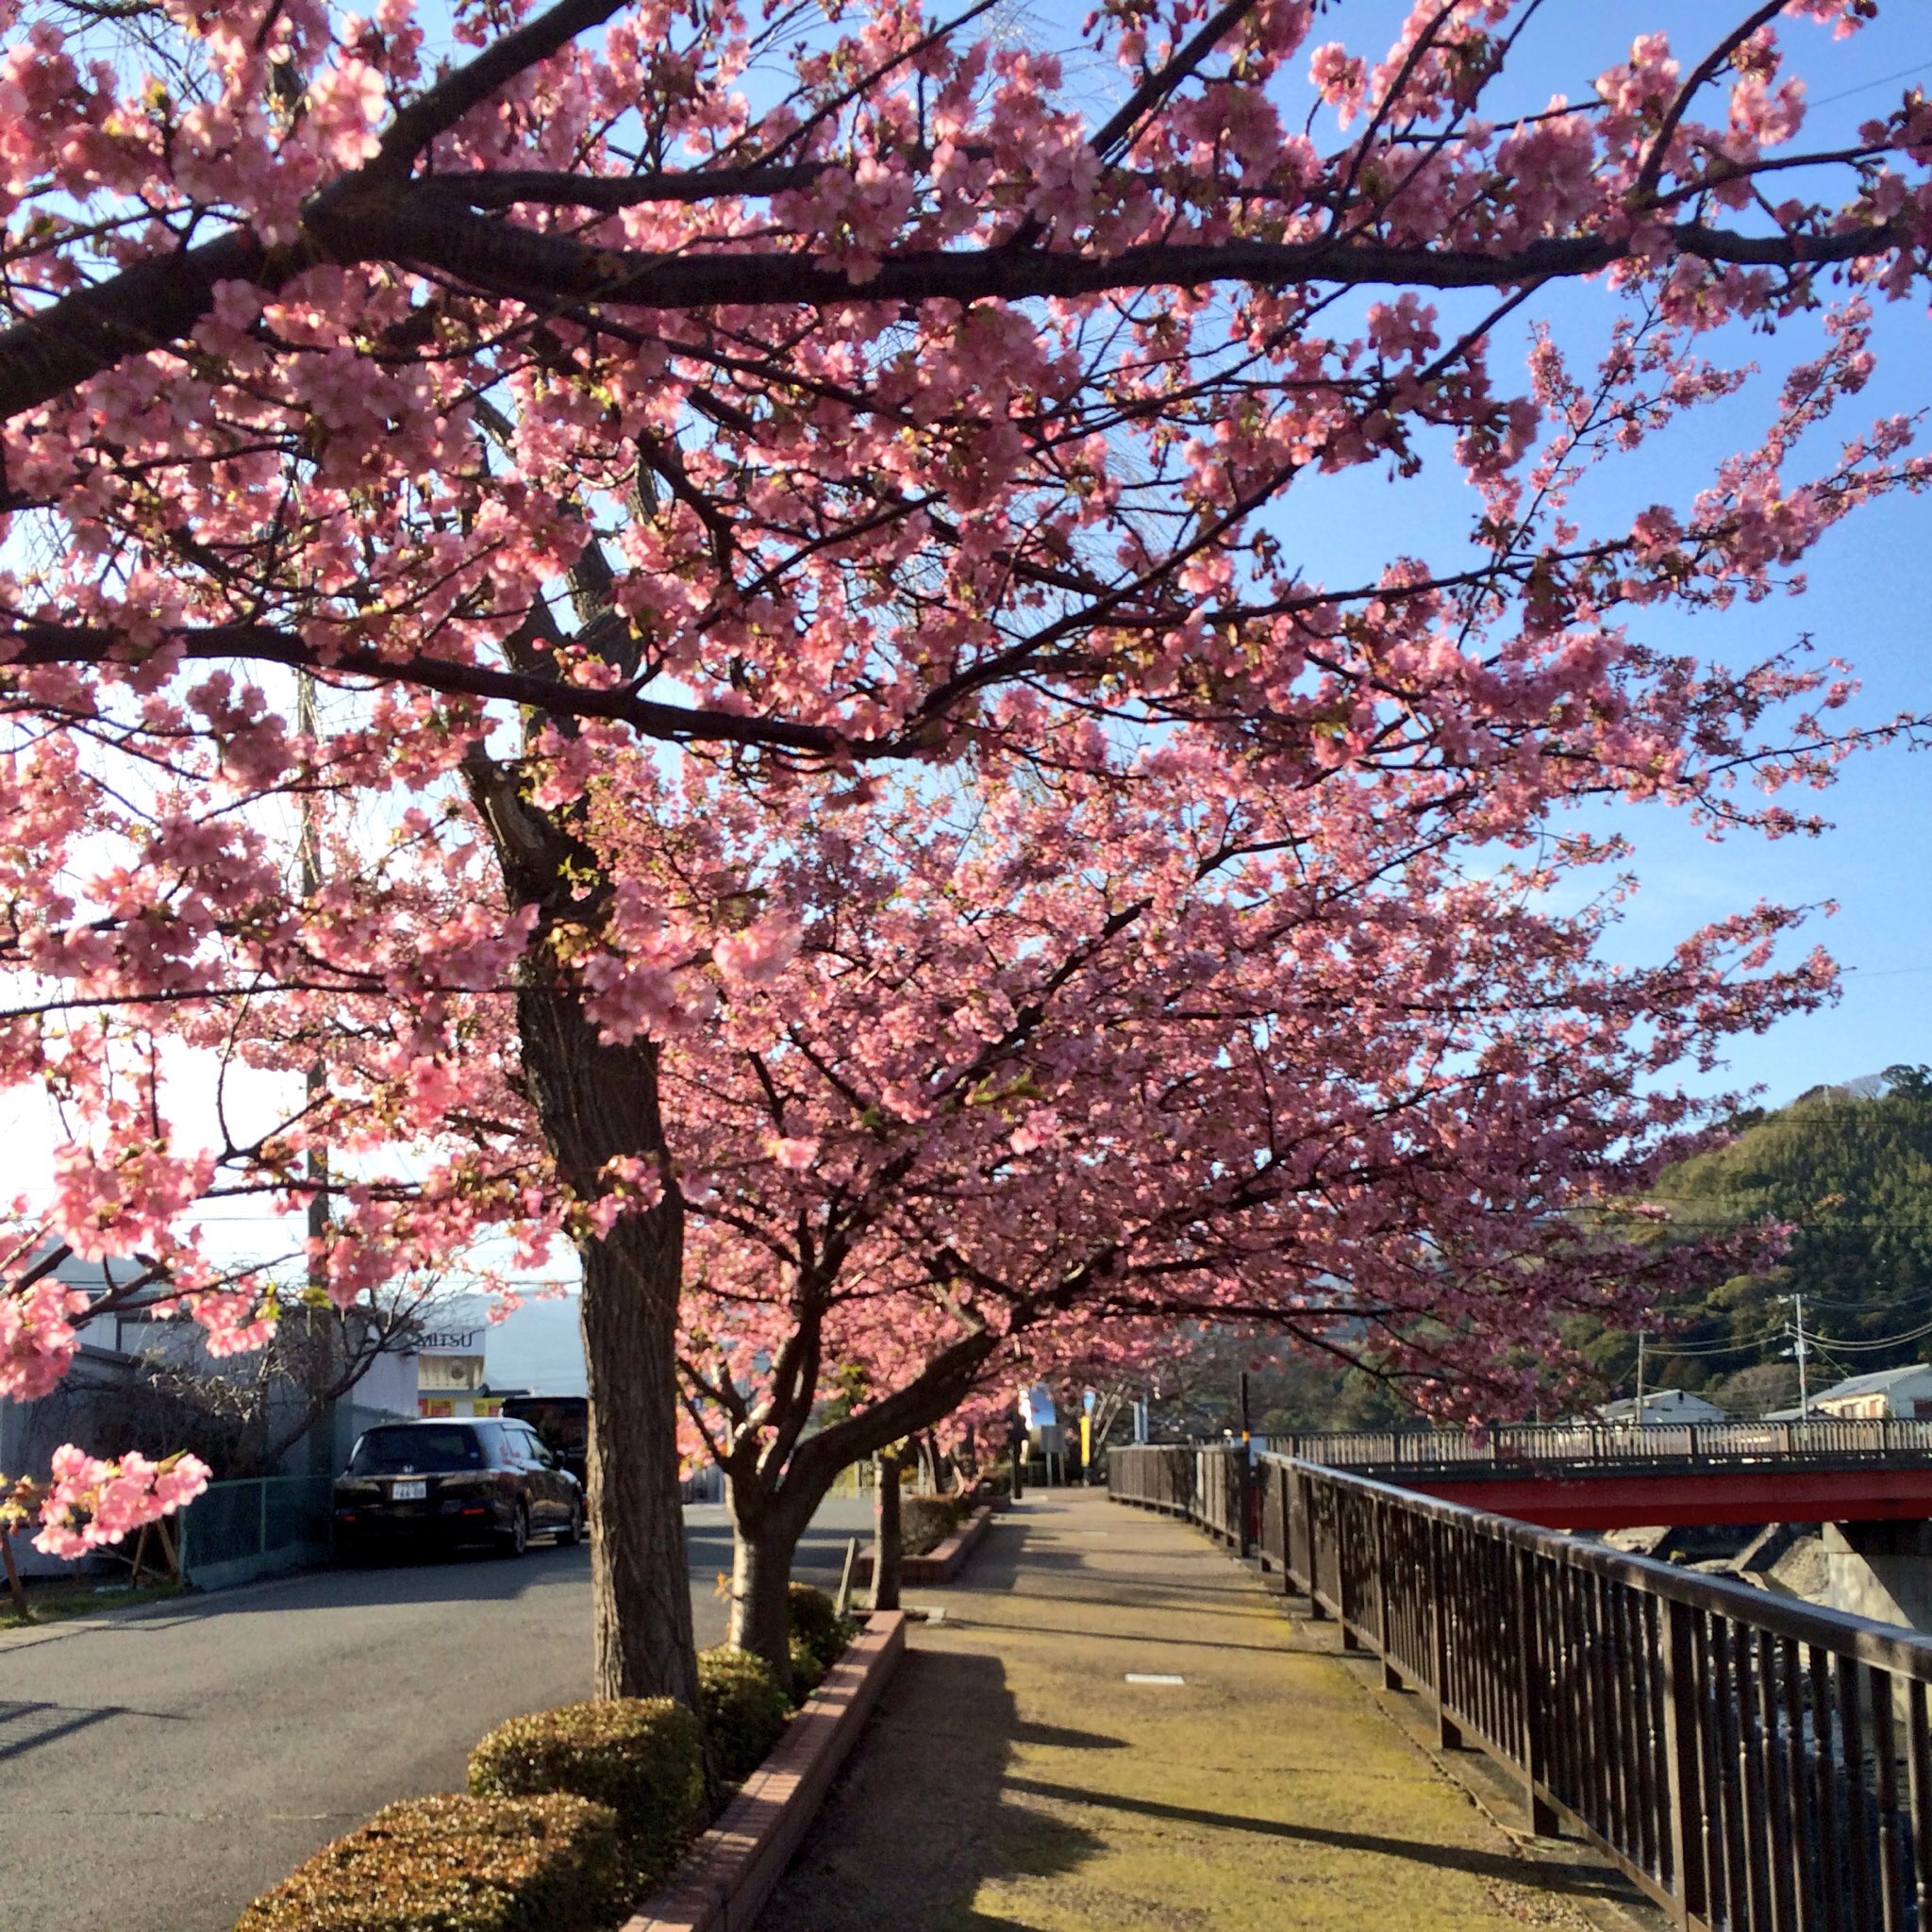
column 237, row 1531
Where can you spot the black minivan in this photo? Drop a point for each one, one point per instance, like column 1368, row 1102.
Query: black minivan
column 433, row 1485
column 564, row 1424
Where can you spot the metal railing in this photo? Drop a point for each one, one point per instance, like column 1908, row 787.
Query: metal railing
column 236, row 1531
column 1203, row 1484
column 1834, row 1438
column 1755, row 1764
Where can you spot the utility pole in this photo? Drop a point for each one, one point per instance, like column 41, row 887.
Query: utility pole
column 1640, row 1377
column 311, row 846
column 1804, row 1384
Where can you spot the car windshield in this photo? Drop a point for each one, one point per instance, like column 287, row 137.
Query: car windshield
column 562, row 1423
column 390, row 1451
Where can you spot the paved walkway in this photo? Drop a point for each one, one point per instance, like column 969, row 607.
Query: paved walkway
column 1016, row 1780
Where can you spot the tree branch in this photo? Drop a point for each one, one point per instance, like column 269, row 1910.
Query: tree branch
column 429, row 225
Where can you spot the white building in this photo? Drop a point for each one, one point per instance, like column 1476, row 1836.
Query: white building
column 469, row 1363
column 1905, row 1392
column 1662, row 1407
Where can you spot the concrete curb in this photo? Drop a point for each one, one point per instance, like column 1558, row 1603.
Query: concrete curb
column 734, row 1866
column 941, row 1564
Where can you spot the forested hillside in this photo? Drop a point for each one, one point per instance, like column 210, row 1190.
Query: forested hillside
column 1848, row 1171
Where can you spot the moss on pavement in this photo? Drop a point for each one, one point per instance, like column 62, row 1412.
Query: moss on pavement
column 1014, row 1778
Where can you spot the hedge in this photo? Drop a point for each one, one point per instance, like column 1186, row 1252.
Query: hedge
column 807, row 1673
column 925, row 1521
column 815, row 1618
column 457, row 1864
column 643, row 1756
column 745, row 1710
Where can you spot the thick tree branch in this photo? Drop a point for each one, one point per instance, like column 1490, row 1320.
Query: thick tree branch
column 430, row 227
column 27, row 645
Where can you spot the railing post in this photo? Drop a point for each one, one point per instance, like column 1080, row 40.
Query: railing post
column 1281, row 1482
column 1392, row 1677
column 1305, row 1510
column 1344, row 1600
column 1243, row 1482
column 1529, row 1680
column 1682, row 1763
column 1448, row 1733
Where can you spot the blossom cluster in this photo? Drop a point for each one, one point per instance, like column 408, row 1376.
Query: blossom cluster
column 89, row 1502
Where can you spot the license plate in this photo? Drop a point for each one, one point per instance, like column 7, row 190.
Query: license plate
column 410, row 1492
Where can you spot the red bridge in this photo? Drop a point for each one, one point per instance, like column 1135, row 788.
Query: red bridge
column 1829, row 1470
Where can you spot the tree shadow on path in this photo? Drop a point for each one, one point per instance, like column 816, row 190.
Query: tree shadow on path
column 1581, row 1879
column 918, row 1819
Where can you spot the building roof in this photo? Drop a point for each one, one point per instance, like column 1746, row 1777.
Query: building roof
column 1871, row 1384
column 1657, row 1400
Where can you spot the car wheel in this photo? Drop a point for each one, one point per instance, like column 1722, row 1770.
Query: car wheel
column 517, row 1540
column 572, row 1531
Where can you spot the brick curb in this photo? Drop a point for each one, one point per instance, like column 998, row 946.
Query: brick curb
column 733, row 1868
column 943, row 1561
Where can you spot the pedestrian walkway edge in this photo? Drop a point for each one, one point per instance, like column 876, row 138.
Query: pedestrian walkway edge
column 737, row 1863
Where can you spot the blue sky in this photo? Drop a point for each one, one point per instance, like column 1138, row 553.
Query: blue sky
column 1869, row 599
column 1869, row 596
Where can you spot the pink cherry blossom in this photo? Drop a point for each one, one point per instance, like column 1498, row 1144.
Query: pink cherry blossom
column 745, row 713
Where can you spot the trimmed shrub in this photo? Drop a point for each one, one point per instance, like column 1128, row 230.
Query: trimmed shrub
column 744, row 1711
column 925, row 1521
column 815, row 1618
column 455, row 1864
column 807, row 1673
column 641, row 1756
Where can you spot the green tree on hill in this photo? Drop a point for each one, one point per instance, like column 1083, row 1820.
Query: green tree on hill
column 1848, row 1171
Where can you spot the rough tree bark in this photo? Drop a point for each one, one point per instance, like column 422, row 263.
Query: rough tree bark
column 597, row 1101
column 764, row 1535
column 774, row 1487
column 888, row 1543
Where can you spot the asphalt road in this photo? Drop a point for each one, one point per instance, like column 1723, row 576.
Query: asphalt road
column 157, row 1771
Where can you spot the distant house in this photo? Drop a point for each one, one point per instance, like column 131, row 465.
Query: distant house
column 1662, row 1407
column 1905, row 1392
column 107, row 1402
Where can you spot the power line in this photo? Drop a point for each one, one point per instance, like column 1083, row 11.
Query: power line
column 1696, row 1349
column 1870, row 1307
column 1872, row 1347
column 1865, row 87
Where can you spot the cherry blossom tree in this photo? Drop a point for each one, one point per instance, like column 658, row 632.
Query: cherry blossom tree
column 1057, row 1068
column 797, row 397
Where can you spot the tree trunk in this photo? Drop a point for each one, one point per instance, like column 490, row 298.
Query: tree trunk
column 887, row 1543
column 597, row 1101
column 639, row 1577
column 773, row 1497
column 762, row 1543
